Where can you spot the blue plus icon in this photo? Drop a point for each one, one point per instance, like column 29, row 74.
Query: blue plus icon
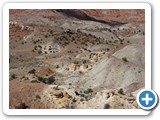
column 147, row 99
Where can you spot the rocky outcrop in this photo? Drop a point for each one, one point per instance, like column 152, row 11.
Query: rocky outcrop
column 109, row 99
column 45, row 72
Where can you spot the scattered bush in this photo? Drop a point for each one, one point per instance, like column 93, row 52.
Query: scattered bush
column 39, row 52
column 124, row 59
column 107, row 49
column 40, row 46
column 38, row 97
column 74, row 100
column 85, row 61
column 35, row 47
column 66, row 42
column 110, row 41
column 51, row 80
column 106, row 106
column 82, row 42
column 41, row 79
column 120, row 91
column 32, row 71
column 109, row 30
column 143, row 33
column 51, row 31
column 57, row 66
column 21, row 106
column 34, row 81
column 76, row 62
column 13, row 76
column 78, row 30
column 89, row 90
column 9, row 60
column 81, row 99
column 34, row 42
column 82, row 95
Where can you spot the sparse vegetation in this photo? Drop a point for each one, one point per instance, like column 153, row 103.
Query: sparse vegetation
column 108, row 49
column 39, row 52
column 74, row 100
column 21, row 106
column 89, row 90
column 34, row 81
column 38, row 97
column 48, row 80
column 124, row 59
column 85, row 61
column 13, row 76
column 51, row 80
column 41, row 79
column 143, row 33
column 33, row 71
column 106, row 106
column 77, row 58
column 57, row 66
column 76, row 62
column 120, row 91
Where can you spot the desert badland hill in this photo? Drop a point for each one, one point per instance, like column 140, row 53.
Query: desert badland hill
column 74, row 59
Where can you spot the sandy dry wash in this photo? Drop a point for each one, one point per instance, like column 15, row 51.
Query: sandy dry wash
column 73, row 59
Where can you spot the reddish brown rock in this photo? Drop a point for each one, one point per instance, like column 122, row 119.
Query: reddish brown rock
column 111, row 16
column 45, row 72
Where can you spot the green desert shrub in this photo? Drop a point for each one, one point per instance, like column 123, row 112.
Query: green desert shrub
column 38, row 97
column 124, row 59
column 21, row 106
column 106, row 106
column 51, row 80
column 35, row 81
column 41, row 79
column 89, row 90
column 74, row 100
column 32, row 71
column 13, row 76
column 120, row 91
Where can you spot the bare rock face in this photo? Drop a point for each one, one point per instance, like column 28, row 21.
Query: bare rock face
column 55, row 98
column 45, row 72
column 109, row 99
